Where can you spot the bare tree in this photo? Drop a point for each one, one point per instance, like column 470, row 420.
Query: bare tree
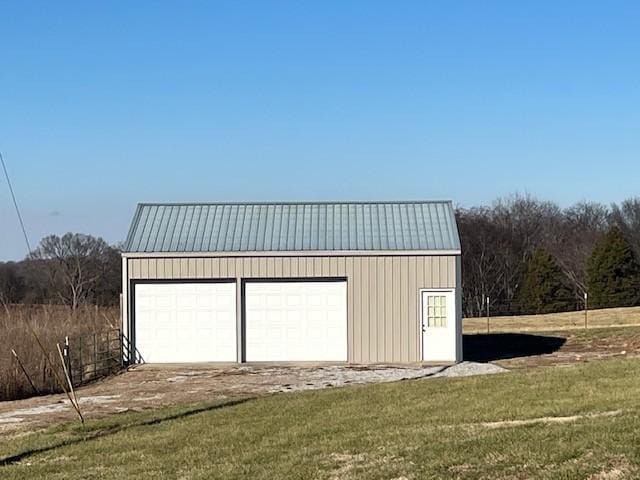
column 571, row 242
column 627, row 218
column 11, row 285
column 74, row 263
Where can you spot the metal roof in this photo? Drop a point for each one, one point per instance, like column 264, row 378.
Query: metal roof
column 292, row 227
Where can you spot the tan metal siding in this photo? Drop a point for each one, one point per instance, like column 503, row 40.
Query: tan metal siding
column 383, row 291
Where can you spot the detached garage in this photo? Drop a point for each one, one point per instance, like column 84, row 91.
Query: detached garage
column 358, row 282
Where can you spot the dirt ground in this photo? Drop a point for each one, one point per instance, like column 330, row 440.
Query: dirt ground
column 153, row 386
column 149, row 386
column 535, row 349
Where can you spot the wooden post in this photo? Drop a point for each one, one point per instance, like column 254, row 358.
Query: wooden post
column 95, row 356
column 80, row 359
column 53, row 369
column 120, row 348
column 67, row 357
column 586, row 310
column 488, row 316
column 72, row 398
column 15, row 355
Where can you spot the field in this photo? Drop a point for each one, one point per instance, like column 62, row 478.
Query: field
column 567, row 409
column 610, row 317
column 574, row 422
column 51, row 324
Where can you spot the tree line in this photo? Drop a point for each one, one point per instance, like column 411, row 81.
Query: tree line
column 72, row 269
column 531, row 256
column 522, row 254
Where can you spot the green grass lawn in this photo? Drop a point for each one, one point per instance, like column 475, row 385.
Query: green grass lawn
column 413, row 429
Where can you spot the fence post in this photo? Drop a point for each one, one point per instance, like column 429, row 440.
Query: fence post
column 95, row 356
column 586, row 310
column 121, row 348
column 67, row 358
column 488, row 315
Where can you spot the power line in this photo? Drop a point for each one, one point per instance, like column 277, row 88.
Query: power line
column 15, row 204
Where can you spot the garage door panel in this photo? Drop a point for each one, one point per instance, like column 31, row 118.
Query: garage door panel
column 185, row 322
column 296, row 321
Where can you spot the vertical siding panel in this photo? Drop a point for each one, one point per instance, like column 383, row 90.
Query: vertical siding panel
column 404, row 300
column 278, row 267
column 421, row 283
column 333, row 266
column 357, row 309
column 191, row 267
column 175, row 268
column 286, row 267
column 183, row 267
column 153, row 271
column 231, row 267
column 388, row 309
column 144, row 267
column 381, row 309
column 223, row 267
column 255, row 267
column 160, row 268
column 397, row 327
column 435, row 272
column 317, row 267
column 444, row 272
column 246, row 267
column 314, row 267
column 206, row 268
column 350, row 318
column 365, row 296
column 428, row 273
column 135, row 268
column 374, row 351
column 326, row 270
column 200, row 267
column 271, row 269
column 262, row 262
column 293, row 262
column 452, row 272
column 342, row 271
column 412, row 305
column 214, row 267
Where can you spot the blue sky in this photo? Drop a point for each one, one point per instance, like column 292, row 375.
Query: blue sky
column 102, row 106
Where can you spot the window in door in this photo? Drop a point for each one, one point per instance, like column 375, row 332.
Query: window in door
column 435, row 309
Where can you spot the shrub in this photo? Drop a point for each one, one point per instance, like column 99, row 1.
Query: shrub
column 613, row 272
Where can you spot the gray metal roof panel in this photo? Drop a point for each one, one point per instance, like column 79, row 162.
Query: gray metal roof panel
column 300, row 226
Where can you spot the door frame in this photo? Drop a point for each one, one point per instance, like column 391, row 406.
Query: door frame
column 243, row 306
column 421, row 292
column 131, row 321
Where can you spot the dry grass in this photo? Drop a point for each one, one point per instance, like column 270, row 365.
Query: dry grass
column 609, row 317
column 51, row 323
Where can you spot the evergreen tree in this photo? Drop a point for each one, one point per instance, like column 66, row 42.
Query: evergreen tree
column 613, row 272
column 544, row 286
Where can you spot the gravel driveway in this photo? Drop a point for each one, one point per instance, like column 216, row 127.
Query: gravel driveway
column 153, row 386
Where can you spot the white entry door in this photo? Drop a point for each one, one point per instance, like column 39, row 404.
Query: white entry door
column 296, row 321
column 438, row 325
column 185, row 322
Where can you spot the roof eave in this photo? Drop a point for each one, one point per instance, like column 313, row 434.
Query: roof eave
column 293, row 253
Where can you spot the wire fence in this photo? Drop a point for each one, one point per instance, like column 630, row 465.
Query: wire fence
column 93, row 356
column 486, row 315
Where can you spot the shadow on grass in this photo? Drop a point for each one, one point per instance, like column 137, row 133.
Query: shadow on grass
column 82, row 436
column 482, row 347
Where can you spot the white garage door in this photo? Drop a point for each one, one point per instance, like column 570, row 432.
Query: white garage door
column 186, row 322
column 296, row 321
